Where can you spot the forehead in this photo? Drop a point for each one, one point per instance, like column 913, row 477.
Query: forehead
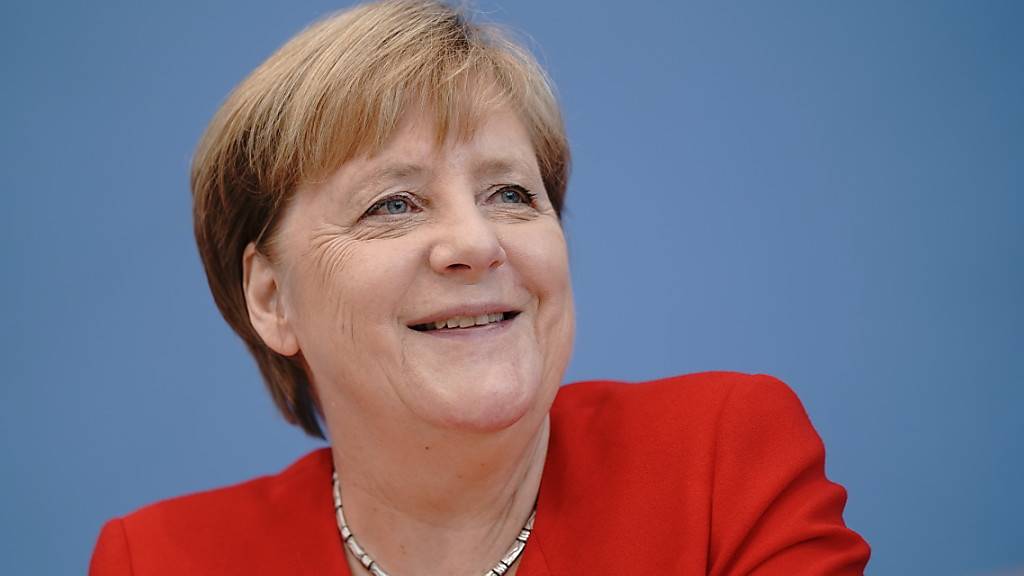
column 497, row 143
column 496, row 134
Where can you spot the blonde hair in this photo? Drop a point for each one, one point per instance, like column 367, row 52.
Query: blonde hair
column 335, row 91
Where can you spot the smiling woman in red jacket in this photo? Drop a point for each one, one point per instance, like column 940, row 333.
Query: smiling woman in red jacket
column 378, row 209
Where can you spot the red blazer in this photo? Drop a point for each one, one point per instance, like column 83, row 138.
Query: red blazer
column 715, row 473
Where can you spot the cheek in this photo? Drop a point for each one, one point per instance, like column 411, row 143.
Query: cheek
column 543, row 262
column 541, row 256
column 343, row 287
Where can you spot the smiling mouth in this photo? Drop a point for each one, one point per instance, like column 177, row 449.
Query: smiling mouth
column 465, row 322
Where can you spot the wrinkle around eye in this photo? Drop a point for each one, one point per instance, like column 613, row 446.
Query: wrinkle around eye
column 383, row 227
column 330, row 248
column 514, row 212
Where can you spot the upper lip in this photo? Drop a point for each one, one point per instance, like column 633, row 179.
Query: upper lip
column 464, row 310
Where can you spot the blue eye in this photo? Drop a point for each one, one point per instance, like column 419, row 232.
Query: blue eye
column 396, row 206
column 393, row 206
column 515, row 195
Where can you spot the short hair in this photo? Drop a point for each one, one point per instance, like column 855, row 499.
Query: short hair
column 335, row 91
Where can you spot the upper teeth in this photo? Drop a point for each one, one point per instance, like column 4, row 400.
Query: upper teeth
column 468, row 321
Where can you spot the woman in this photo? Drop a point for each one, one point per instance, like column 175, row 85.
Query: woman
column 378, row 211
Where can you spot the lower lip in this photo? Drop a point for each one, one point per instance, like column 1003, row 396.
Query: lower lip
column 492, row 329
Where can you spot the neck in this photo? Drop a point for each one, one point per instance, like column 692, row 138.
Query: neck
column 432, row 501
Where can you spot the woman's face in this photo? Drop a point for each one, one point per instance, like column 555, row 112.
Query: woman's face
column 461, row 235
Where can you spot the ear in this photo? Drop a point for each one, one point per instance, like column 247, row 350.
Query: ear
column 264, row 301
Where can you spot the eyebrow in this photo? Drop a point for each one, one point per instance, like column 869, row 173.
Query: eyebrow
column 370, row 183
column 392, row 172
column 493, row 167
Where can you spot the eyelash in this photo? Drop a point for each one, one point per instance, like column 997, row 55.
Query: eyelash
column 528, row 197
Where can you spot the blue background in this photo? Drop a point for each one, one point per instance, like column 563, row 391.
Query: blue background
column 827, row 192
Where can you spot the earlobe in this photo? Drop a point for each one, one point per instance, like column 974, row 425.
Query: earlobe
column 263, row 300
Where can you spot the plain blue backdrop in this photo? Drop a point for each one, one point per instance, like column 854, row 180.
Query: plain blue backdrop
column 827, row 192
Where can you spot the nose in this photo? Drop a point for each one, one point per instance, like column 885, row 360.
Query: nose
column 468, row 246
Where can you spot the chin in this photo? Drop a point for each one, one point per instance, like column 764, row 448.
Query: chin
column 489, row 406
column 487, row 417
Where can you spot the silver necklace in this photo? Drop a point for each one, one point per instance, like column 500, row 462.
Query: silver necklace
column 370, row 564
